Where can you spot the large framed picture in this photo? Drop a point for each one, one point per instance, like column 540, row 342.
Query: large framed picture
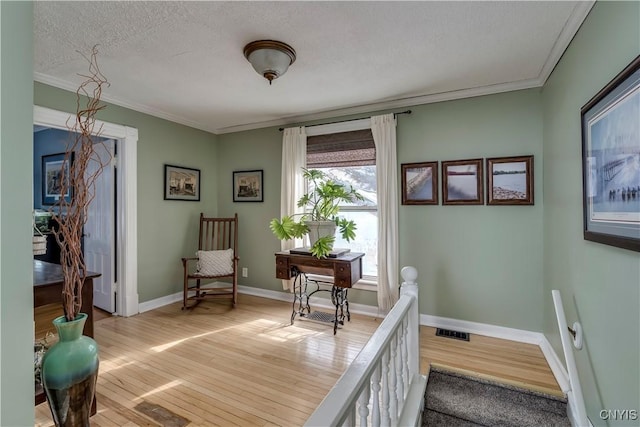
column 181, row 183
column 611, row 162
column 420, row 183
column 54, row 170
column 462, row 182
column 510, row 180
column 247, row 186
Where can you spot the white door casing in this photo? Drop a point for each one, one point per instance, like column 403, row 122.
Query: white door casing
column 99, row 230
column 127, row 201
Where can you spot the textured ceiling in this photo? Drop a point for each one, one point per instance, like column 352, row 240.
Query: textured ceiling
column 183, row 61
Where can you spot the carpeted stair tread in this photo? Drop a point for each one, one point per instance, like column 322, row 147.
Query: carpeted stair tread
column 477, row 401
column 434, row 418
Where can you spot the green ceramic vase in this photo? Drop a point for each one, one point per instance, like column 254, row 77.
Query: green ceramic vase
column 70, row 372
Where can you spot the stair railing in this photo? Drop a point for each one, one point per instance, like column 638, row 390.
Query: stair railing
column 383, row 385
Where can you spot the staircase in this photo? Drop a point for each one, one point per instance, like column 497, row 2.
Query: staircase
column 453, row 399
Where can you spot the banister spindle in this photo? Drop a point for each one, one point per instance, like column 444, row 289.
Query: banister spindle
column 398, row 368
column 375, row 405
column 363, row 405
column 386, row 419
column 393, row 381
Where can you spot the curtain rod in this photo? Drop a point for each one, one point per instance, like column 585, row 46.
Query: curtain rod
column 351, row 120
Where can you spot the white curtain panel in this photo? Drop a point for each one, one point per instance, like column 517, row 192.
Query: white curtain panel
column 383, row 129
column 294, row 158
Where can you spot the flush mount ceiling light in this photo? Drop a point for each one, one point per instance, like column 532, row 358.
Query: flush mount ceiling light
column 270, row 58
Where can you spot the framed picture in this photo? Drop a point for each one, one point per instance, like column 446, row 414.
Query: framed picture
column 54, row 170
column 247, row 186
column 462, row 182
column 181, row 183
column 420, row 183
column 510, row 180
column 611, row 162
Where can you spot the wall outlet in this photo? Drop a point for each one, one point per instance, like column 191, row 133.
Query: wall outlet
column 245, row 272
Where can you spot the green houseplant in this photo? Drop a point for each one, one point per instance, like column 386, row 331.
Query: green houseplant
column 320, row 219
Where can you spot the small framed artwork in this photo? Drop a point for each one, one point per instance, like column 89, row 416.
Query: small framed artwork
column 54, row 170
column 611, row 162
column 420, row 183
column 510, row 180
column 181, row 183
column 462, row 182
column 247, row 186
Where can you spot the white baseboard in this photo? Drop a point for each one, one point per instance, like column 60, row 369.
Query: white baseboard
column 518, row 335
column 159, row 302
column 555, row 364
column 285, row 296
column 367, row 310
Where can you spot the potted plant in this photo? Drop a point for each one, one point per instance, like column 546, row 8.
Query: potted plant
column 69, row 368
column 320, row 219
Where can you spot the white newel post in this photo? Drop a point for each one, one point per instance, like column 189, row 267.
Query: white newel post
column 383, row 385
column 410, row 288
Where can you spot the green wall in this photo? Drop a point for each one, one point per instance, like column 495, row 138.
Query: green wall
column 250, row 150
column 167, row 229
column 486, row 264
column 16, row 266
column 478, row 263
column 599, row 283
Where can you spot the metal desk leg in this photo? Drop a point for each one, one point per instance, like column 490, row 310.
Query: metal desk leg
column 339, row 299
column 300, row 295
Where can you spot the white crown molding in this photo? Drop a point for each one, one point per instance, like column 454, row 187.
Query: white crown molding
column 570, row 29
column 65, row 85
column 330, row 114
column 579, row 13
column 388, row 105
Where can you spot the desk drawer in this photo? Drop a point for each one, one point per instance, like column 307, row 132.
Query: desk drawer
column 342, row 277
column 282, row 268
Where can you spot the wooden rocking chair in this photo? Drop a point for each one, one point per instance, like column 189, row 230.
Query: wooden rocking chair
column 217, row 258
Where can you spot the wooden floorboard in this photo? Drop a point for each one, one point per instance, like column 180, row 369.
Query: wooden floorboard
column 249, row 366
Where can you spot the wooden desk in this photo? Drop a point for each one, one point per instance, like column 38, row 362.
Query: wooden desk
column 47, row 289
column 345, row 271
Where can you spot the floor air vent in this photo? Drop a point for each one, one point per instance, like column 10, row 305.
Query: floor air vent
column 464, row 336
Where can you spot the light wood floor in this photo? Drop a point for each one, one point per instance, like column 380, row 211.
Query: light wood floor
column 249, row 366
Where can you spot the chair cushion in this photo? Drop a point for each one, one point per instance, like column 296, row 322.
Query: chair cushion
column 215, row 263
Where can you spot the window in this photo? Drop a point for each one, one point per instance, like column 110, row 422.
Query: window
column 349, row 158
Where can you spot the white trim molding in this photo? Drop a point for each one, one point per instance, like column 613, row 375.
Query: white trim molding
column 555, row 364
column 127, row 279
column 367, row 310
column 517, row 335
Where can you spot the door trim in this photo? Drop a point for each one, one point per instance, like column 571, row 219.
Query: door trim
column 127, row 199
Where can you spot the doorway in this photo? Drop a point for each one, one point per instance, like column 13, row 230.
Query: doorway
column 126, row 292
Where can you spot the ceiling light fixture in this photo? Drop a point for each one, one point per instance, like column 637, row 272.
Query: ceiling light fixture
column 270, row 58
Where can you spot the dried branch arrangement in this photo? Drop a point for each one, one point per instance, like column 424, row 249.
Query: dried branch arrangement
column 80, row 169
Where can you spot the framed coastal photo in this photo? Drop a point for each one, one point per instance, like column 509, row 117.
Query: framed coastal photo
column 611, row 162
column 181, row 183
column 247, row 186
column 54, row 170
column 462, row 182
column 510, row 180
column 420, row 183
